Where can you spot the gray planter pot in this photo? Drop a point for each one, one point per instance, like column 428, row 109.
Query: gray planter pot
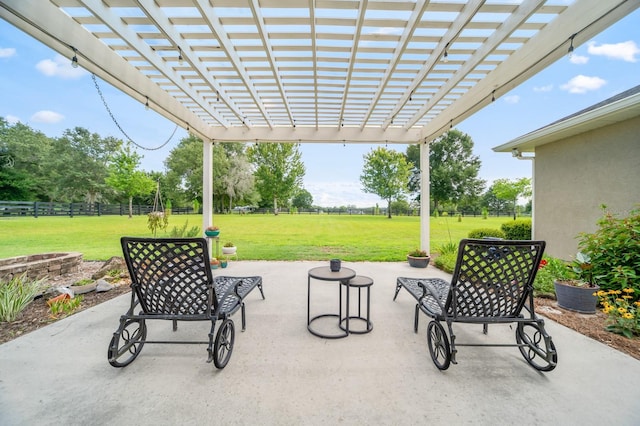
column 418, row 262
column 577, row 299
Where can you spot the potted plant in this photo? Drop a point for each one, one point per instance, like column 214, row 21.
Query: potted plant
column 575, row 288
column 228, row 248
column 214, row 263
column 418, row 258
column 212, row 231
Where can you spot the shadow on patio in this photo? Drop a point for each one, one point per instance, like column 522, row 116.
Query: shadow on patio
column 281, row 374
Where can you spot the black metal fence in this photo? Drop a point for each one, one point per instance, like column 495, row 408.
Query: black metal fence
column 43, row 208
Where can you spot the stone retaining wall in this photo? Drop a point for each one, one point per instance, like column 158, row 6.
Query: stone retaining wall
column 37, row 266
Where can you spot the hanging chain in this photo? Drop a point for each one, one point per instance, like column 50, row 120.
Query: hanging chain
column 95, row 82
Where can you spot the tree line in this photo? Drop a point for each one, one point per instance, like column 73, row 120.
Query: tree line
column 81, row 166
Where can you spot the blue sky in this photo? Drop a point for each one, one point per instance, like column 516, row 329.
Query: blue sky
column 39, row 88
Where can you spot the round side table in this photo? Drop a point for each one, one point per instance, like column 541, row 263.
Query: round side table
column 360, row 282
column 324, row 273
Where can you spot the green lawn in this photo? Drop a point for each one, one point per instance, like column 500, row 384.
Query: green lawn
column 264, row 237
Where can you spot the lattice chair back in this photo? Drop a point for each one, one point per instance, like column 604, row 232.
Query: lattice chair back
column 493, row 278
column 171, row 276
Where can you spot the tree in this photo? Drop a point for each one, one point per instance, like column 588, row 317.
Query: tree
column 506, row 189
column 413, row 159
column 302, row 200
column 238, row 181
column 385, row 174
column 453, row 168
column 78, row 163
column 184, row 171
column 125, row 178
column 23, row 154
column 279, row 170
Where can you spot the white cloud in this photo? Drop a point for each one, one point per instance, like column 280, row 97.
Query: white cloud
column 388, row 30
column 582, row 84
column 578, row 59
column 512, row 99
column 7, row 52
column 12, row 119
column 59, row 67
column 625, row 51
column 336, row 194
column 47, row 117
column 547, row 88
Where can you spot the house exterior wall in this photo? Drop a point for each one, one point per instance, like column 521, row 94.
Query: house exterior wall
column 576, row 175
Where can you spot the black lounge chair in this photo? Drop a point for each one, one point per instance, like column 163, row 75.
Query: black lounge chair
column 171, row 280
column 492, row 283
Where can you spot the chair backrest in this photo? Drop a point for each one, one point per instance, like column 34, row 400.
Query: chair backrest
column 170, row 276
column 493, row 278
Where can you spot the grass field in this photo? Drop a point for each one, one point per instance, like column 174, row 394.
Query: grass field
column 258, row 237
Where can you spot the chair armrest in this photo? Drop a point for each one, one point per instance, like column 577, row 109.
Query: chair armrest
column 231, row 291
column 428, row 289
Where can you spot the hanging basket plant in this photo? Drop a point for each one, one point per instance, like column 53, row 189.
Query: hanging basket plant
column 157, row 219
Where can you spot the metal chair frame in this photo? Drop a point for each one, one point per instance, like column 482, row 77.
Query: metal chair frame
column 492, row 283
column 171, row 279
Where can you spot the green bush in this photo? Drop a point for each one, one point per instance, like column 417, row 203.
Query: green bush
column 486, row 232
column 447, row 248
column 181, row 232
column 15, row 295
column 550, row 269
column 614, row 249
column 517, row 229
column 446, row 262
column 448, row 254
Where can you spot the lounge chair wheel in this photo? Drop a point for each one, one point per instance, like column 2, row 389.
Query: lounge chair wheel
column 224, row 344
column 438, row 345
column 533, row 348
column 127, row 343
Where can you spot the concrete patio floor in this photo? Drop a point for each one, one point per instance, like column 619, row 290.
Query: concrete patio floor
column 280, row 374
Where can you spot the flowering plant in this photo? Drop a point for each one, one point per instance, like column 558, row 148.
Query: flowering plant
column 418, row 253
column 549, row 270
column 623, row 313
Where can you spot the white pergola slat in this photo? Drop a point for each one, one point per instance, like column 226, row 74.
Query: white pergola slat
column 344, row 71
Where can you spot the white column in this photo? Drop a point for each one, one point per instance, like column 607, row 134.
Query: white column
column 533, row 198
column 425, row 214
column 207, row 187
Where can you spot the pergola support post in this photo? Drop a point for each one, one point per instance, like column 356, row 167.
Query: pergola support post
column 207, row 187
column 425, row 214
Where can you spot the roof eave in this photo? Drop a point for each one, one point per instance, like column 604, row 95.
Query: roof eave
column 614, row 112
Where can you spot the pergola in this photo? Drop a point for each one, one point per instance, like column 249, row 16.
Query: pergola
column 304, row 71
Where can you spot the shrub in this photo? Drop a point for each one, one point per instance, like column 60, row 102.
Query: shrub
column 613, row 248
column 486, row 232
column 517, row 229
column 446, row 262
column 447, row 258
column 65, row 306
column 549, row 270
column 448, row 248
column 15, row 295
column 176, row 232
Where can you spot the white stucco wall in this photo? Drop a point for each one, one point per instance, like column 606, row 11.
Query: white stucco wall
column 576, row 175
